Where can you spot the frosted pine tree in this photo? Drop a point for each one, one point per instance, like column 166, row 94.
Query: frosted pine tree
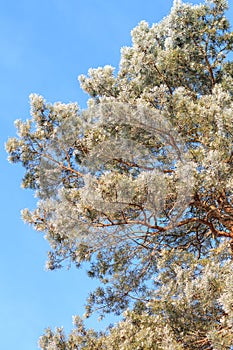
column 139, row 185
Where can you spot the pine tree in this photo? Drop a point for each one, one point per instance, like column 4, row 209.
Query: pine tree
column 139, row 185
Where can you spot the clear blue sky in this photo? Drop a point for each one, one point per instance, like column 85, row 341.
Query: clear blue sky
column 45, row 45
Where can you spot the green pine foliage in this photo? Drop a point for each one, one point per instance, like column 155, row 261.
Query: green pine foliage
column 139, row 186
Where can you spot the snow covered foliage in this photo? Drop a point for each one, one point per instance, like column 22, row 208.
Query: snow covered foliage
column 191, row 308
column 140, row 185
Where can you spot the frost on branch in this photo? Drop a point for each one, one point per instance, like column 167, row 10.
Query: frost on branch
column 191, row 308
column 144, row 175
column 121, row 167
column 143, row 141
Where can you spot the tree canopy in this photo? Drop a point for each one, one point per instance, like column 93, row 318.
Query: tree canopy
column 140, row 186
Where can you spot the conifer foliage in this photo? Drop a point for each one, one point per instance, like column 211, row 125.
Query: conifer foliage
column 139, row 186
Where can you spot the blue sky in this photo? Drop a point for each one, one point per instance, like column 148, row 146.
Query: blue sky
column 45, row 45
